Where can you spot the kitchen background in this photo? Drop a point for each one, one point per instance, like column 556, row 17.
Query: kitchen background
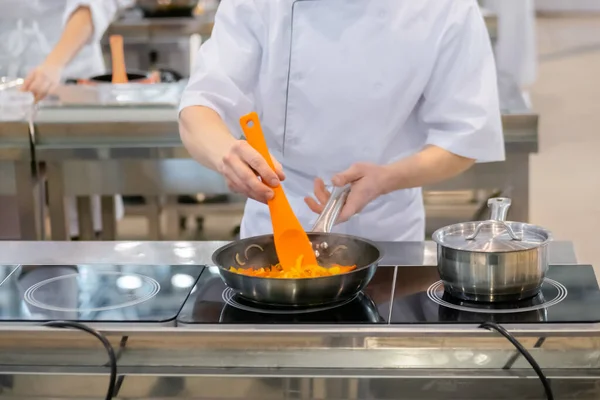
column 556, row 175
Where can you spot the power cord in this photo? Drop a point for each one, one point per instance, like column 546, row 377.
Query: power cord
column 109, row 349
column 492, row 326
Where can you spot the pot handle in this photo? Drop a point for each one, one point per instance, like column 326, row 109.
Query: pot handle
column 510, row 231
column 499, row 206
column 332, row 209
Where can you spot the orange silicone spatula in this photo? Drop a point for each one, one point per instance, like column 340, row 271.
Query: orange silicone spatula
column 119, row 74
column 291, row 241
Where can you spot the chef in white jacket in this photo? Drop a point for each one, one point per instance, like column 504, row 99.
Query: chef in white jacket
column 46, row 40
column 385, row 95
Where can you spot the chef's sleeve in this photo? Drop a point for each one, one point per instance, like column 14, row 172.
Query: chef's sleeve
column 460, row 109
column 103, row 13
column 227, row 65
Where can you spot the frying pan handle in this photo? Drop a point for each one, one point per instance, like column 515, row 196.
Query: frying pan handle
column 332, row 209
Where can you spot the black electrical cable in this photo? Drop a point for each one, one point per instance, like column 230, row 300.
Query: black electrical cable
column 536, row 367
column 109, row 349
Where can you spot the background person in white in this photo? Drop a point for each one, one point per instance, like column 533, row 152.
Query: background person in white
column 516, row 54
column 388, row 95
column 45, row 40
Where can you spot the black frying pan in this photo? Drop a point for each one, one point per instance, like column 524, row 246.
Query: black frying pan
column 331, row 248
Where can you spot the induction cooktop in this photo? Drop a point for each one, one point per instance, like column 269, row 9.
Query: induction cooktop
column 149, row 294
column 404, row 295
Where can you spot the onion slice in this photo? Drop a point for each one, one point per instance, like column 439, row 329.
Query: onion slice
column 340, row 247
column 252, row 246
column 237, row 260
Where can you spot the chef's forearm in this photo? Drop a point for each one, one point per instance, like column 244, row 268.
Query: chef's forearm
column 429, row 166
column 77, row 32
column 205, row 135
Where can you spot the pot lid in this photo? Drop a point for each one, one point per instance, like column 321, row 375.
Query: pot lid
column 492, row 236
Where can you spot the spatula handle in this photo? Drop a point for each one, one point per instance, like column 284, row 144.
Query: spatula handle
column 255, row 137
column 119, row 74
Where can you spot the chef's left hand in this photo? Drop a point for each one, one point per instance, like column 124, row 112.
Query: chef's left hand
column 367, row 183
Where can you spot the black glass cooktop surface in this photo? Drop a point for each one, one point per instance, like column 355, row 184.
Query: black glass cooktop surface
column 570, row 294
column 95, row 293
column 212, row 302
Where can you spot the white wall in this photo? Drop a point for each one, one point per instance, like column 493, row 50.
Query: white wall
column 568, row 5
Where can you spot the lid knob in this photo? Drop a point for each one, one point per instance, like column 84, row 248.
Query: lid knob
column 499, row 207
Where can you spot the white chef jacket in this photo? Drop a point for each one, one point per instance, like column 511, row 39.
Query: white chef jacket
column 337, row 82
column 29, row 29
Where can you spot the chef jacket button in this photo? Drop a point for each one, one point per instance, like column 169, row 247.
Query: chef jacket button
column 382, row 14
column 378, row 86
column 298, row 76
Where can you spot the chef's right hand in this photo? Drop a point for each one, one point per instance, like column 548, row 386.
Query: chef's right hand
column 247, row 172
column 42, row 81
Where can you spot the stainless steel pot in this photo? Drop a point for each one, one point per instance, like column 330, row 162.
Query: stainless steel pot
column 331, row 248
column 493, row 260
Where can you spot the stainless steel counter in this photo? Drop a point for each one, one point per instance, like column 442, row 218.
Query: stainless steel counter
column 144, row 30
column 167, row 38
column 200, row 253
column 14, row 149
column 17, row 183
column 287, row 361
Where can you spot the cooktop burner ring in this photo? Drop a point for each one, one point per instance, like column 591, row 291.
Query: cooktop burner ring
column 152, row 284
column 436, row 291
column 229, row 297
